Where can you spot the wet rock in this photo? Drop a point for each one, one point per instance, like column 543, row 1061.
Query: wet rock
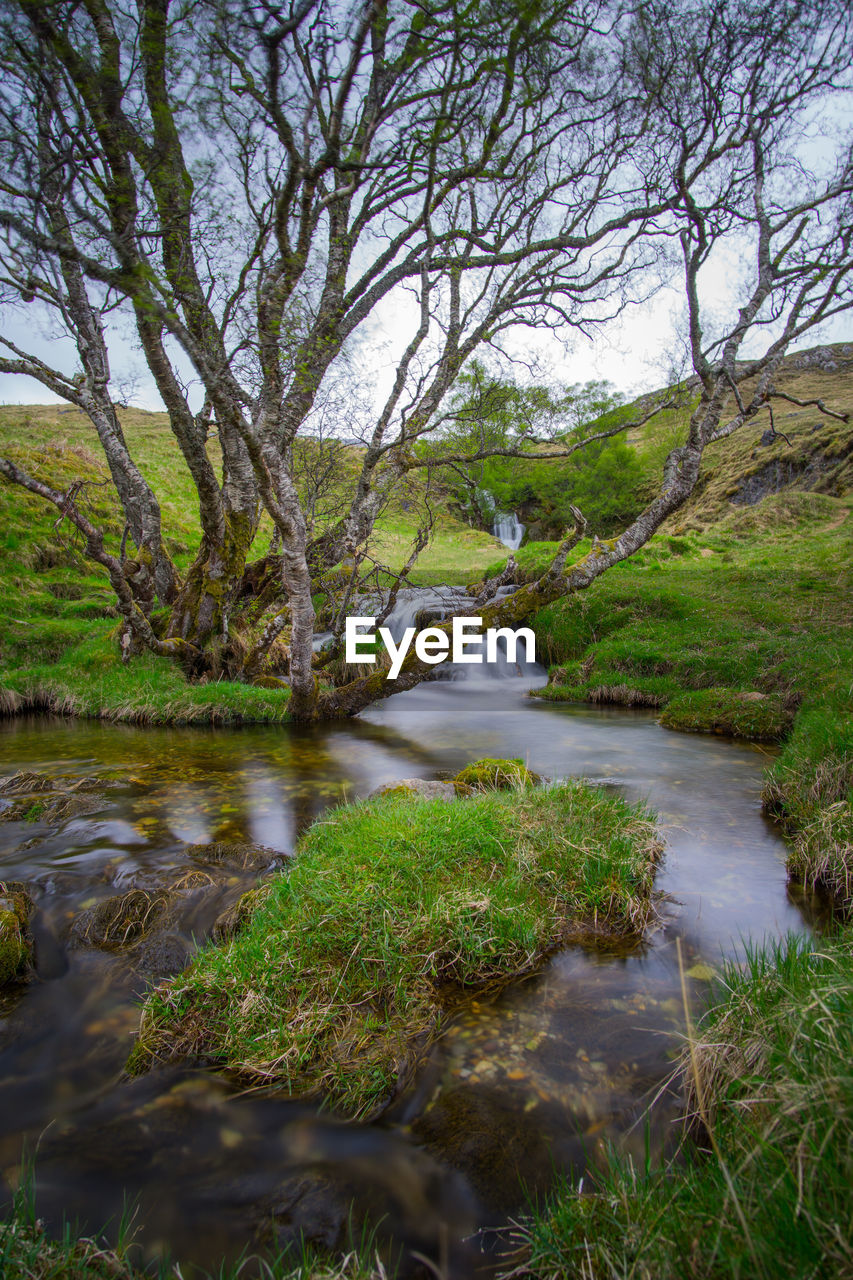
column 16, row 907
column 119, row 921
column 491, row 774
column 311, row 1209
column 50, row 800
column 162, row 954
column 409, row 787
column 502, row 1150
column 231, row 921
column 241, row 857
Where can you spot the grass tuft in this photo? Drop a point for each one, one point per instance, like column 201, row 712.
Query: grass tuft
column 392, row 911
column 761, row 717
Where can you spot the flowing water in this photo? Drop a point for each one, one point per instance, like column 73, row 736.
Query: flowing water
column 535, row 1079
column 508, row 529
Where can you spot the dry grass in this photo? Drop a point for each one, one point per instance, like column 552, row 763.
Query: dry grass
column 118, row 921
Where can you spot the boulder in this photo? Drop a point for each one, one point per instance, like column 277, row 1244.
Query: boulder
column 411, row 787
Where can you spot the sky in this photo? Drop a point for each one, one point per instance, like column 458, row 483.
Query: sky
column 640, row 351
column 636, row 353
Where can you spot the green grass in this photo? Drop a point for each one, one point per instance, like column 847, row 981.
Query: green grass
column 763, row 614
column 456, row 556
column 693, row 623
column 58, row 646
column 392, row 909
column 766, row 1192
column 760, row 717
column 90, row 679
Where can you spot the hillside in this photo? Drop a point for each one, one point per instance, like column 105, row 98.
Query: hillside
column 57, row 616
column 749, row 466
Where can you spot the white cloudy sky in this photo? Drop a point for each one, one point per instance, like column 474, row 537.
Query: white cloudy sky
column 636, row 352
column 640, row 351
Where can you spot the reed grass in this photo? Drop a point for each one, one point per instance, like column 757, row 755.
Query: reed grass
column 765, row 1192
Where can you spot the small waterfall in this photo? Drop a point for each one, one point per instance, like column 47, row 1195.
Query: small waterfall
column 421, row 607
column 508, row 529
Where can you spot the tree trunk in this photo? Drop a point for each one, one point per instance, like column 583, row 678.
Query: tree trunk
column 201, row 612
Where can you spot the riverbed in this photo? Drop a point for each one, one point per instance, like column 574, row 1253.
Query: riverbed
column 536, row 1079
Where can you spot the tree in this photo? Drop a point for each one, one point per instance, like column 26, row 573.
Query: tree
column 250, row 184
column 533, row 424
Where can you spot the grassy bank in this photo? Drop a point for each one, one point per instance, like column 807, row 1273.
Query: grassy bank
column 58, row 621
column 768, row 613
column 810, row 789
column 89, row 679
column 393, row 909
column 766, row 1191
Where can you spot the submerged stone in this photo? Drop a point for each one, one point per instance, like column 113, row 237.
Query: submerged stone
column 119, row 921
column 39, row 798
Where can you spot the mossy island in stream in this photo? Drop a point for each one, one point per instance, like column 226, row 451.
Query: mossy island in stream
column 394, row 909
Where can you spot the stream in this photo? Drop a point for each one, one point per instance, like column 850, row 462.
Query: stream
column 537, row 1079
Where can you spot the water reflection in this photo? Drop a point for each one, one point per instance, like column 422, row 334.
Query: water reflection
column 539, row 1077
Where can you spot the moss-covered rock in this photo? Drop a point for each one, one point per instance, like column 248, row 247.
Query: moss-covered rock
column 270, row 682
column 39, row 798
column 16, row 907
column 759, row 716
column 491, row 774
